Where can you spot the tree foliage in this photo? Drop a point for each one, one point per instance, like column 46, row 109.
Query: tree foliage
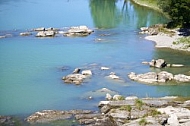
column 178, row 10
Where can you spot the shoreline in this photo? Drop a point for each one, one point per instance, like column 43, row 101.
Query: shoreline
column 144, row 4
column 165, row 41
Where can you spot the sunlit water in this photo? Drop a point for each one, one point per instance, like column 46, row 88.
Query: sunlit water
column 31, row 68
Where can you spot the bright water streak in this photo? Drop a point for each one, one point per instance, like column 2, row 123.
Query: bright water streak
column 31, row 68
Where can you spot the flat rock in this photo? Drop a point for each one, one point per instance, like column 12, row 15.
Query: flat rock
column 45, row 34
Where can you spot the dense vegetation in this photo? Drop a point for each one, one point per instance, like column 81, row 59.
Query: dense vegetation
column 178, row 10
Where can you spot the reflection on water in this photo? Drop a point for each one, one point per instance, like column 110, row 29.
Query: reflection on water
column 104, row 13
column 112, row 13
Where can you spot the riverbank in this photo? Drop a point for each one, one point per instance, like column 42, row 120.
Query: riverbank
column 115, row 111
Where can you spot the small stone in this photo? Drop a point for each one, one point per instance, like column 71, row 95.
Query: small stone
column 108, row 96
column 104, row 68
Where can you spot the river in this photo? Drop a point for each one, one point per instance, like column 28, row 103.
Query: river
column 31, row 68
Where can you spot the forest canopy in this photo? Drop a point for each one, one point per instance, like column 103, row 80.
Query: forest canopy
column 178, row 10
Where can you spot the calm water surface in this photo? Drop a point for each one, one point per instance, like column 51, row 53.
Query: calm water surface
column 31, row 68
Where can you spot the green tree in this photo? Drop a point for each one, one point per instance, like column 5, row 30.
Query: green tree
column 178, row 10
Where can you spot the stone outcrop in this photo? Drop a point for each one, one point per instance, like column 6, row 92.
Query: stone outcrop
column 161, row 77
column 78, row 31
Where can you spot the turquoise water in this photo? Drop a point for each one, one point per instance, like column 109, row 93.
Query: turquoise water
column 31, row 68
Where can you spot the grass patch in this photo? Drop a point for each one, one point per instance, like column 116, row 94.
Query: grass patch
column 139, row 104
column 143, row 122
column 126, row 108
column 183, row 40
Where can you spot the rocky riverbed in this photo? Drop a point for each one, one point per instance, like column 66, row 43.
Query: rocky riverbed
column 125, row 111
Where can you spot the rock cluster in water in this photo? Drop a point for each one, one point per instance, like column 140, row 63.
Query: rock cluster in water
column 52, row 32
column 128, row 111
column 160, row 77
column 78, row 76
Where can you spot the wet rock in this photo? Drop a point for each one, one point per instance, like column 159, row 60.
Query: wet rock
column 45, row 34
column 78, row 31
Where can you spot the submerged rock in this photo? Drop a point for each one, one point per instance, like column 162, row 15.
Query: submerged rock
column 25, row 33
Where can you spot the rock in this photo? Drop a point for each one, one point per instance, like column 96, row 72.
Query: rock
column 104, row 68
column 39, row 29
column 182, row 78
column 78, row 31
column 187, row 103
column 152, row 77
column 144, row 28
column 103, row 103
column 159, row 63
column 2, row 37
column 45, row 34
column 118, row 97
column 105, row 109
column 86, row 72
column 164, row 76
column 113, row 76
column 172, row 120
column 48, row 116
column 131, row 98
column 108, row 96
column 25, row 33
column 76, row 71
column 176, row 65
column 74, row 78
